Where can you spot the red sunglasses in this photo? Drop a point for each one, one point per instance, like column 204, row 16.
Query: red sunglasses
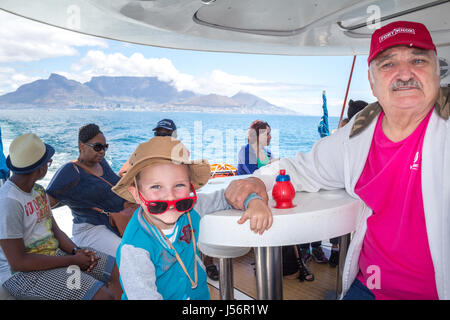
column 161, row 206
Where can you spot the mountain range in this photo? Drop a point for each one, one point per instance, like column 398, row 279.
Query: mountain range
column 130, row 93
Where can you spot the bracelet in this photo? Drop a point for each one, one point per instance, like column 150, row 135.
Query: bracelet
column 250, row 197
column 74, row 250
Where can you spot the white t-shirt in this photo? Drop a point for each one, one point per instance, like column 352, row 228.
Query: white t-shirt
column 26, row 216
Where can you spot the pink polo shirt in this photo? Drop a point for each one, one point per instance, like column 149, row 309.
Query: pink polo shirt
column 395, row 260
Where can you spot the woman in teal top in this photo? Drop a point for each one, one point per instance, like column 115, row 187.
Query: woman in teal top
column 256, row 153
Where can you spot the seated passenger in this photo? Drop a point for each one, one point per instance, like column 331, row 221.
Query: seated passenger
column 255, row 153
column 164, row 127
column 80, row 188
column 37, row 259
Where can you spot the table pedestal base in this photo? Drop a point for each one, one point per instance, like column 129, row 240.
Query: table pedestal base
column 344, row 242
column 269, row 273
column 226, row 287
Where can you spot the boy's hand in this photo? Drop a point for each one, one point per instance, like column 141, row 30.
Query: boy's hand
column 85, row 259
column 259, row 214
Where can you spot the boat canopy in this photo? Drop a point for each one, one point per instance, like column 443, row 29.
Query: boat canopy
column 284, row 27
column 290, row 27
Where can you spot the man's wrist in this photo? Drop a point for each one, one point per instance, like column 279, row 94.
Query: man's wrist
column 250, row 197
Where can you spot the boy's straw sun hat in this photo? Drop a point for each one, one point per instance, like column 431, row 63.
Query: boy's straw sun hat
column 28, row 153
column 160, row 150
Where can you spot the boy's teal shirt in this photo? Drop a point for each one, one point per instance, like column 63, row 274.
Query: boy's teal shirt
column 171, row 281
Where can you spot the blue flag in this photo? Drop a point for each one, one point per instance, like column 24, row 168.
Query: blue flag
column 4, row 171
column 323, row 128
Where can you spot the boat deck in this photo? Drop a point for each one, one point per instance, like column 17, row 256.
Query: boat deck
column 323, row 286
column 244, row 274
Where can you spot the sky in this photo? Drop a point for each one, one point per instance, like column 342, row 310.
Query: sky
column 30, row 51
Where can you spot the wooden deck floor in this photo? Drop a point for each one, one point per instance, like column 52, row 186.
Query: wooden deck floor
column 293, row 289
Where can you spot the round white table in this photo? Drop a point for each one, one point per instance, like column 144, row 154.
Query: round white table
column 316, row 216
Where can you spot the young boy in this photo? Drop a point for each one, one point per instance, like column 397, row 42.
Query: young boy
column 37, row 259
column 158, row 256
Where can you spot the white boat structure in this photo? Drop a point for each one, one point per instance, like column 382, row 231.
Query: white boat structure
column 282, row 27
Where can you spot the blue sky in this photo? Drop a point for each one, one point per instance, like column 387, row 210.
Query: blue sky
column 31, row 51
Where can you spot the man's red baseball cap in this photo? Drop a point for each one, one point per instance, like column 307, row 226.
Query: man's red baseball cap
column 408, row 33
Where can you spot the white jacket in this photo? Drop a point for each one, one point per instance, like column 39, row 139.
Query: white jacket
column 337, row 162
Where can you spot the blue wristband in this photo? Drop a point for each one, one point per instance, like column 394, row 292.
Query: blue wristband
column 250, row 197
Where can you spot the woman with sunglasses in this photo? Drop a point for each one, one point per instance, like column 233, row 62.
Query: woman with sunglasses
column 158, row 257
column 77, row 185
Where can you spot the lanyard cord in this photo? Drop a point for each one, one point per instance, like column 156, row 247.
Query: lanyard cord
column 193, row 283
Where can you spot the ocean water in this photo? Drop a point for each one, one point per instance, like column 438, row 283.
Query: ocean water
column 215, row 137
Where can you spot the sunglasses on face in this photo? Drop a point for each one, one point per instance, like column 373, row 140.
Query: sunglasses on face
column 161, row 206
column 98, row 146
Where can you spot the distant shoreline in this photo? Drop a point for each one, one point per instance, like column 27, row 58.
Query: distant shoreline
column 148, row 110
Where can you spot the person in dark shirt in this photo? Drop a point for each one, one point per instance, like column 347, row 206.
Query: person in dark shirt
column 73, row 186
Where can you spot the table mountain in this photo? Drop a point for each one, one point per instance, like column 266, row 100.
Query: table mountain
column 124, row 93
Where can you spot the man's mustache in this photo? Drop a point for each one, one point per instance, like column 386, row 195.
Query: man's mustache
column 411, row 83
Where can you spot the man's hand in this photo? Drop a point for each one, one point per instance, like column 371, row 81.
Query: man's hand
column 238, row 191
column 260, row 216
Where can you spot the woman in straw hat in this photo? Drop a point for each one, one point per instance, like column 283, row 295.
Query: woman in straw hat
column 36, row 257
column 158, row 256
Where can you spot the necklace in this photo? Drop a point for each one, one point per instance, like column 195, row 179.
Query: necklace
column 195, row 282
column 177, row 256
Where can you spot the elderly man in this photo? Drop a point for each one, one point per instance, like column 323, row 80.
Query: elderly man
column 394, row 155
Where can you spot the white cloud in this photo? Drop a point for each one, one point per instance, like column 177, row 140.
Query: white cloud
column 223, row 83
column 26, row 40
column 10, row 79
column 97, row 63
column 23, row 40
column 303, row 98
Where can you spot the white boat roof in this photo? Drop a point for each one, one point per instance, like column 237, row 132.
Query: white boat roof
column 282, row 27
column 286, row 27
